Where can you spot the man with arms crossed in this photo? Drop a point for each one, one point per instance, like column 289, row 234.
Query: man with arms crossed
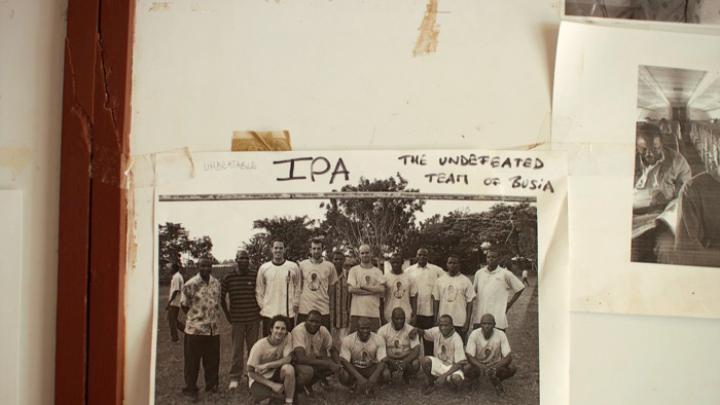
column 313, row 351
column 400, row 291
column 403, row 352
column 200, row 302
column 270, row 373
column 453, row 295
column 493, row 285
column 366, row 283
column 448, row 359
column 243, row 313
column 278, row 287
column 425, row 275
column 361, row 355
column 318, row 277
column 488, row 354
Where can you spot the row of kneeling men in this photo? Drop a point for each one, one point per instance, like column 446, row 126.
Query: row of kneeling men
column 283, row 364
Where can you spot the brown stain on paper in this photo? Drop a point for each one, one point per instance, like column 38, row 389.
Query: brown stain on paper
column 253, row 141
column 428, row 38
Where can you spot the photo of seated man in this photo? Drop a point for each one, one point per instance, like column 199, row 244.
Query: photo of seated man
column 402, row 347
column 488, row 354
column 315, row 358
column 362, row 354
column 448, row 359
column 660, row 173
column 676, row 219
column 270, row 374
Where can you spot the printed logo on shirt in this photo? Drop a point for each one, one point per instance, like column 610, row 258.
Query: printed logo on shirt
column 443, row 353
column 450, row 293
column 314, row 282
column 399, row 292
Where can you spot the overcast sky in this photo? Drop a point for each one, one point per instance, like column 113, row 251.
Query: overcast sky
column 230, row 223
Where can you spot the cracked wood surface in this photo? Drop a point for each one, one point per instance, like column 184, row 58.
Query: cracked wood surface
column 93, row 202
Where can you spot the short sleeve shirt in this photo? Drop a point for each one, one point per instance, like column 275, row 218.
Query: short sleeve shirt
column 316, row 278
column 493, row 289
column 264, row 352
column 397, row 342
column 488, row 351
column 365, row 305
column 398, row 290
column 176, row 284
column 454, row 293
column 449, row 350
column 425, row 278
column 316, row 345
column 203, row 299
column 363, row 354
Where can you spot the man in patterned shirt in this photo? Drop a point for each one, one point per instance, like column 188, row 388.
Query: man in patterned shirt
column 200, row 302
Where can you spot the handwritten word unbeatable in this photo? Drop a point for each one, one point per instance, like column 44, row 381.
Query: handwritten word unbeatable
column 495, row 162
column 318, row 166
column 219, row 165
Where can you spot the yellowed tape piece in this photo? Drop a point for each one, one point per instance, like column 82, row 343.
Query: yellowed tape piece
column 253, row 141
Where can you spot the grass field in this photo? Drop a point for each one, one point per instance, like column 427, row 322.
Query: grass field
column 522, row 389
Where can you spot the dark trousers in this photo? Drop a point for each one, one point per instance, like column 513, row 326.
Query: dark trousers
column 244, row 334
column 324, row 320
column 266, row 325
column 205, row 350
column 172, row 315
column 426, row 322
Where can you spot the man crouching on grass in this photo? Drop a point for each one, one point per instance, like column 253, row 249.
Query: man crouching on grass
column 448, row 359
column 362, row 354
column 403, row 350
column 270, row 373
column 488, row 352
column 315, row 356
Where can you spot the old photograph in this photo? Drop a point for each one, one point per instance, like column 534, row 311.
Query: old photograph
column 360, row 298
column 680, row 11
column 676, row 205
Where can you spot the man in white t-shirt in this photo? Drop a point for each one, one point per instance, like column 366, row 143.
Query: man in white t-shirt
column 400, row 291
column 366, row 284
column 270, row 374
column 453, row 295
column 277, row 288
column 318, row 277
column 448, row 359
column 403, row 351
column 425, row 274
column 488, row 353
column 493, row 285
column 315, row 357
column 173, row 305
column 362, row 354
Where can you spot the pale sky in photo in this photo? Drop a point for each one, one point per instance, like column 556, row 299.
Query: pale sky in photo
column 230, row 223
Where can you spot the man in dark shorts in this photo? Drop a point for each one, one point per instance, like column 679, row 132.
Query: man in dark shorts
column 270, row 372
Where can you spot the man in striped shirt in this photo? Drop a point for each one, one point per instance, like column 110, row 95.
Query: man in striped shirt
column 243, row 313
column 339, row 301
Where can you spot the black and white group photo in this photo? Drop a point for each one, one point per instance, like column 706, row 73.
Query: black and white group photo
column 363, row 298
column 676, row 204
column 679, row 11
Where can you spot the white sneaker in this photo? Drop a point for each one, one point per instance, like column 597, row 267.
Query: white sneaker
column 233, row 385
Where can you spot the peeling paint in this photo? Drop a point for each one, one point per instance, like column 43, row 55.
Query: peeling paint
column 15, row 159
column 429, row 31
column 159, row 6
